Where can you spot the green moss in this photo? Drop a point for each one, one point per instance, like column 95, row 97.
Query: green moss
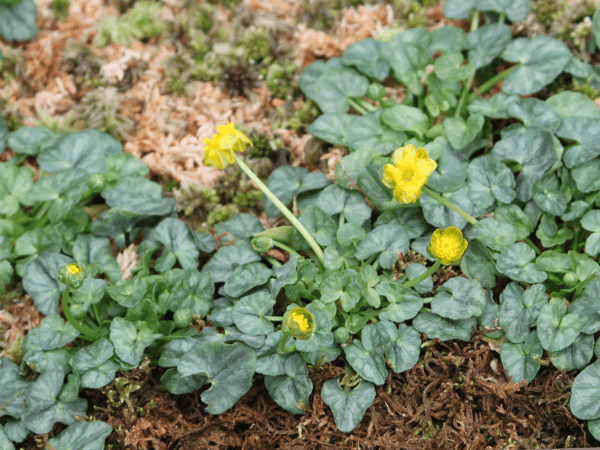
column 320, row 14
column 291, row 119
column 410, row 13
column 202, row 14
column 280, row 78
column 548, row 10
column 176, row 86
column 229, row 4
column 139, row 23
column 262, row 145
column 61, row 8
column 100, row 110
column 195, row 197
column 255, row 44
column 248, row 200
column 199, row 44
column 221, row 213
column 586, row 89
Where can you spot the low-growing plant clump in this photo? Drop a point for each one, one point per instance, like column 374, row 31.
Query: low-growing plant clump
column 442, row 222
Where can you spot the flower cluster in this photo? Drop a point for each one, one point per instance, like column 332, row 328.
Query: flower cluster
column 409, row 173
column 447, row 245
column 222, row 145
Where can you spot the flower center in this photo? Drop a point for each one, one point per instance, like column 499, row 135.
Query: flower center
column 301, row 322
column 73, row 269
column 408, row 174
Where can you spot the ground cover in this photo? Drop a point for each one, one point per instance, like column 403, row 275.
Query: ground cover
column 508, row 131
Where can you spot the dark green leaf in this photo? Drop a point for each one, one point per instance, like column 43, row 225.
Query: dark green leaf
column 366, row 56
column 366, row 356
column 228, row 368
column 348, row 407
column 292, row 387
column 519, row 359
column 486, row 43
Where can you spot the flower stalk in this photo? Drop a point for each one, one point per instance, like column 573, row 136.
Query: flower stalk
column 424, row 275
column 86, row 333
column 284, row 210
column 447, row 204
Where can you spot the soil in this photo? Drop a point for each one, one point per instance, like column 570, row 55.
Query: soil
column 458, row 396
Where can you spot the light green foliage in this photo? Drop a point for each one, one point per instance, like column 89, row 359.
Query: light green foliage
column 202, row 16
column 287, row 117
column 61, row 8
column 139, row 23
column 100, row 110
column 411, row 13
column 547, row 11
column 221, row 213
column 247, row 200
column 210, row 68
column 280, row 78
column 255, row 44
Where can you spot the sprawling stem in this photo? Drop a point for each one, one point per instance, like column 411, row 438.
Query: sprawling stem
column 447, row 204
column 86, row 332
column 533, row 246
column 284, row 210
column 424, row 275
column 356, row 106
column 485, row 87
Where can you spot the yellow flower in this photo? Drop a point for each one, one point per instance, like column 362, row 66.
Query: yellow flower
column 222, row 145
column 74, row 269
column 298, row 323
column 447, row 245
column 410, row 171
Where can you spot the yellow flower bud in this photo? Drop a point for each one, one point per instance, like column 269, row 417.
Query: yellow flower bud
column 222, row 145
column 298, row 323
column 409, row 173
column 447, row 245
column 73, row 275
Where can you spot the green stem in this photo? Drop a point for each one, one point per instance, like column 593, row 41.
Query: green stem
column 286, row 212
column 369, row 261
column 502, row 18
column 485, row 87
column 282, row 246
column 424, row 275
column 95, row 309
column 356, row 106
column 282, row 347
column 376, row 264
column 86, row 333
column 475, row 20
column 575, row 241
column 420, row 102
column 273, row 261
column 463, row 96
column 364, row 104
column 447, row 204
column 533, row 246
column 274, row 318
column 341, row 219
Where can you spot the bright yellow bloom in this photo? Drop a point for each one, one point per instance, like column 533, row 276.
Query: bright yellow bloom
column 222, row 145
column 74, row 268
column 447, row 245
column 298, row 323
column 410, row 171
